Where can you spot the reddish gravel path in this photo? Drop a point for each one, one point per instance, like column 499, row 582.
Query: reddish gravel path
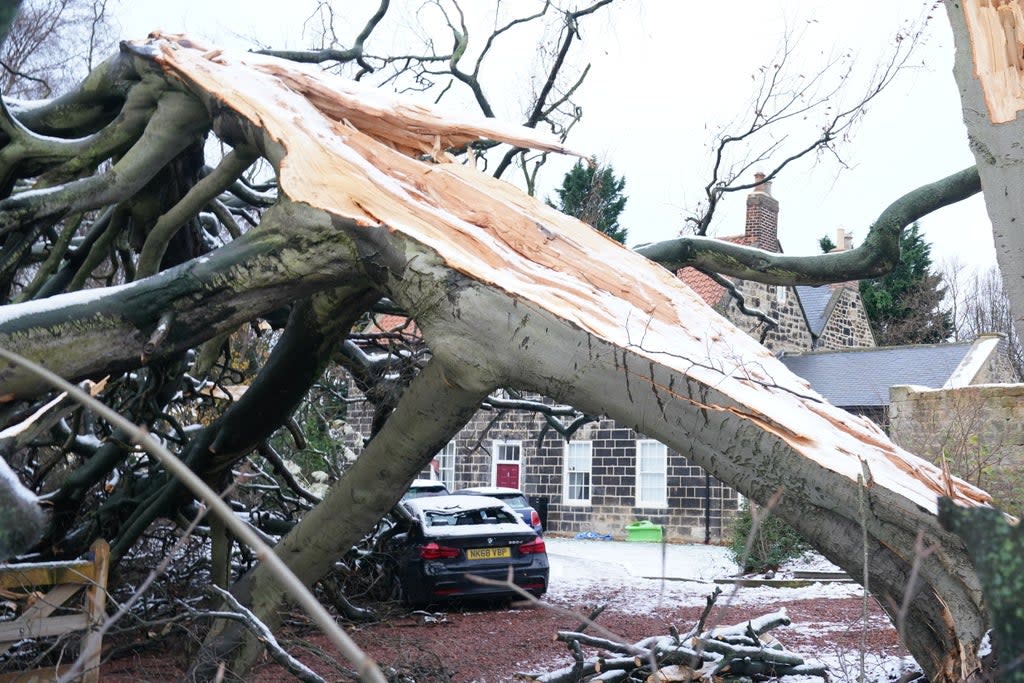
column 489, row 644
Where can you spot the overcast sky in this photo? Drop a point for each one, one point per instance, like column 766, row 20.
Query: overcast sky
column 666, row 74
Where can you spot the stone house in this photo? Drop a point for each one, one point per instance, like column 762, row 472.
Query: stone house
column 608, row 476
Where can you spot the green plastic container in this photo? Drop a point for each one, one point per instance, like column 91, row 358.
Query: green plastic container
column 643, row 531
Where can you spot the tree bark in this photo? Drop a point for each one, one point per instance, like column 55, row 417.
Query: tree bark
column 988, row 71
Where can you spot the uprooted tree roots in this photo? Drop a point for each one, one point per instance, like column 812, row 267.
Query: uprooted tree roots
column 727, row 653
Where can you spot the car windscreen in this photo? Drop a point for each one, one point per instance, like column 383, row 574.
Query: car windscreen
column 436, row 518
column 514, row 500
column 423, row 492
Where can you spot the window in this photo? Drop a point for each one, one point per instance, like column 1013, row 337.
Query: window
column 446, row 465
column 780, row 295
column 578, row 459
column 651, row 473
column 507, row 451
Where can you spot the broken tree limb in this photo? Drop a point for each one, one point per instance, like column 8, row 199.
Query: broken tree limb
column 266, row 636
column 510, row 293
column 289, row 583
column 742, row 632
column 706, row 655
column 604, row 643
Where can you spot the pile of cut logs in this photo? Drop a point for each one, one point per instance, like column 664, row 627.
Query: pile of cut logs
column 741, row 652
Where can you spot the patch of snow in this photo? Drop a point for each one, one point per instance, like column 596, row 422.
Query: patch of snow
column 14, row 311
column 665, row 576
column 753, row 595
column 810, row 561
column 844, row 667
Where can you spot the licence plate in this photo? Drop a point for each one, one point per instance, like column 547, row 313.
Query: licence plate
column 487, row 553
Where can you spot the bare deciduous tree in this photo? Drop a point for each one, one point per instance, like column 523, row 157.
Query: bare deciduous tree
column 52, row 44
column 978, row 304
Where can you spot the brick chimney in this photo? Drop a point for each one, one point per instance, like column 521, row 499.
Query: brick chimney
column 762, row 227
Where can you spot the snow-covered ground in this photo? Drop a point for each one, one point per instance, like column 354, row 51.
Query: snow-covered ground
column 671, row 572
column 649, row 576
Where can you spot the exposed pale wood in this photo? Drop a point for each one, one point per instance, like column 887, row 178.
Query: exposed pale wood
column 45, row 606
column 491, row 231
column 509, row 292
column 95, row 610
column 47, row 574
column 996, row 29
column 42, row 628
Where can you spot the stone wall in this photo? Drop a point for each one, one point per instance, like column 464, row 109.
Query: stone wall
column 978, row 430
column 698, row 507
column 848, row 325
column 792, row 335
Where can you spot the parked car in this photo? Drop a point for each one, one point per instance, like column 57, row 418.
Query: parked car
column 437, row 542
column 425, row 487
column 514, row 498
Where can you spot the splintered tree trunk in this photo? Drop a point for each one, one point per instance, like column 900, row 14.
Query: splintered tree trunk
column 509, row 292
column 989, row 70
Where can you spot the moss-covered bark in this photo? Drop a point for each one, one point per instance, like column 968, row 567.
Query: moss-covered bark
column 997, row 550
column 92, row 334
column 877, row 254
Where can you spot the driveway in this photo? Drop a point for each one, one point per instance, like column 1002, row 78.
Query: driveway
column 575, row 560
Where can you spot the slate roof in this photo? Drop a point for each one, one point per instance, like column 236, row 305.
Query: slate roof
column 814, row 301
column 862, row 377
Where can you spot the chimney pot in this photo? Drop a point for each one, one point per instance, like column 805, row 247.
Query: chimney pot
column 760, row 185
column 840, row 239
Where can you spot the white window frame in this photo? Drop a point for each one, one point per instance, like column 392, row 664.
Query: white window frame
column 662, row 470
column 498, row 447
column 446, row 465
column 587, row 448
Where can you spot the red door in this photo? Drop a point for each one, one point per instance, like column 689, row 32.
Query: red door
column 507, row 475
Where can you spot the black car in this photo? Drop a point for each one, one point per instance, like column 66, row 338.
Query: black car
column 514, row 498
column 436, row 543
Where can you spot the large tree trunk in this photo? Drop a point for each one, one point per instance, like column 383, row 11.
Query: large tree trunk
column 509, row 292
column 989, row 70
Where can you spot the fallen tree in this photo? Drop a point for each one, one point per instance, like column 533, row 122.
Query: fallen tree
column 506, row 291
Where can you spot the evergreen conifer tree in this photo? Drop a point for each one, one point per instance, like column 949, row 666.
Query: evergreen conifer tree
column 593, row 194
column 904, row 307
